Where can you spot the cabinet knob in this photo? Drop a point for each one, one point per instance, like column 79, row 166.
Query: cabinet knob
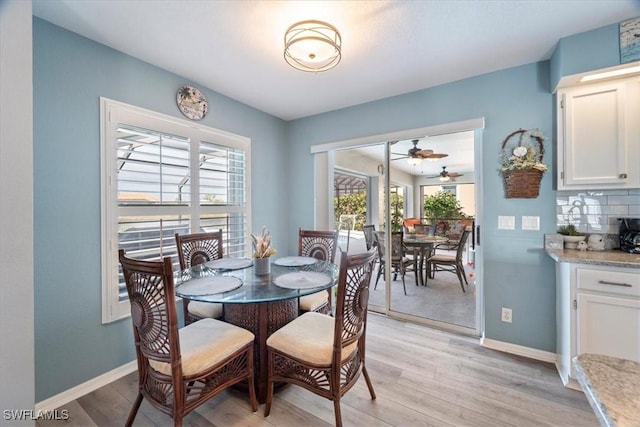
column 622, row 176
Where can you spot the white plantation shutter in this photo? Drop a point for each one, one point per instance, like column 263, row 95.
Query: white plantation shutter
column 163, row 176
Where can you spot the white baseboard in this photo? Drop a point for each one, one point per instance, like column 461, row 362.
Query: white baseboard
column 531, row 353
column 80, row 390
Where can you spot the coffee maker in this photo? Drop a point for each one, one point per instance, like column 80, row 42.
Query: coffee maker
column 629, row 235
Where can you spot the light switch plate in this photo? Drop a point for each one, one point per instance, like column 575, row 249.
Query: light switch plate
column 506, row 223
column 531, row 223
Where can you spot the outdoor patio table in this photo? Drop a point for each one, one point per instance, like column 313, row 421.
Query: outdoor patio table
column 259, row 303
column 423, row 245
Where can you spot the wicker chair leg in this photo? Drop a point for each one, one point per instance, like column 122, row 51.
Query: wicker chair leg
column 369, row 383
column 251, row 380
column 269, row 398
column 336, row 408
column 134, row 410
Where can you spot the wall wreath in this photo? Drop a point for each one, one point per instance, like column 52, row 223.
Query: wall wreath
column 521, row 163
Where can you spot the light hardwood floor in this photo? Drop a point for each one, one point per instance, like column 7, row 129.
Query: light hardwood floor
column 422, row 377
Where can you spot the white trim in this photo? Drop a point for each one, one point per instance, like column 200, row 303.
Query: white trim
column 435, row 324
column 531, row 353
column 112, row 113
column 567, row 381
column 323, row 191
column 80, row 390
column 464, row 125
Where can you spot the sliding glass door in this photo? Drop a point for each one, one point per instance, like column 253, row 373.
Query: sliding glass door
column 376, row 186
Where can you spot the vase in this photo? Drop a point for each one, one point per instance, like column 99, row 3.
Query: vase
column 262, row 266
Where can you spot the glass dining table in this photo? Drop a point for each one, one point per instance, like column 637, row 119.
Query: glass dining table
column 259, row 303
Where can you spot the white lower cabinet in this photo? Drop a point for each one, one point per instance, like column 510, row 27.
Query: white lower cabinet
column 608, row 325
column 598, row 311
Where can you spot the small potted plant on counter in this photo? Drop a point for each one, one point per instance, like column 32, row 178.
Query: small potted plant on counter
column 571, row 236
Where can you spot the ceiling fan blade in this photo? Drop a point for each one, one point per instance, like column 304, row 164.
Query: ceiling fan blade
column 424, row 153
column 454, row 174
column 434, row 156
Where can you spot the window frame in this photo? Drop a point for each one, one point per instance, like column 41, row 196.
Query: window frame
column 112, row 114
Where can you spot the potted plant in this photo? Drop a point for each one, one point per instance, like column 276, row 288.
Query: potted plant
column 442, row 205
column 440, row 208
column 571, row 236
column 262, row 251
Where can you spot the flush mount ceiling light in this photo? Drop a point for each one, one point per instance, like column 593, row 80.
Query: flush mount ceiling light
column 312, row 46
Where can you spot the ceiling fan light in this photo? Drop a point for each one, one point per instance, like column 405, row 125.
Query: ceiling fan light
column 445, row 178
column 414, row 161
column 312, row 46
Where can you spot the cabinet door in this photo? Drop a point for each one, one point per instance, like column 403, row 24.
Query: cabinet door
column 608, row 325
column 594, row 149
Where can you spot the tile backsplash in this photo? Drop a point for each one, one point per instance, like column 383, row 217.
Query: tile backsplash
column 597, row 211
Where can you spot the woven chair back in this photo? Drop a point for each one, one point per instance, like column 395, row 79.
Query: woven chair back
column 198, row 248
column 321, row 245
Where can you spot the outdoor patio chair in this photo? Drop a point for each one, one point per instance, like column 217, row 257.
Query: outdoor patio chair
column 400, row 263
column 451, row 263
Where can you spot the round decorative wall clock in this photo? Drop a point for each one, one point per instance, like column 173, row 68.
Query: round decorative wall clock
column 192, row 102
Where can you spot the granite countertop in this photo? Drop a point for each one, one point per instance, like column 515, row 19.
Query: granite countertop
column 612, row 387
column 612, row 257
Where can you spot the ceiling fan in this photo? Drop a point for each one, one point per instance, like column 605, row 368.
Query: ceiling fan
column 416, row 154
column 445, row 175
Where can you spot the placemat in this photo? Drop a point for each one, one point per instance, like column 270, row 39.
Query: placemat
column 230, row 263
column 302, row 280
column 209, row 285
column 295, row 261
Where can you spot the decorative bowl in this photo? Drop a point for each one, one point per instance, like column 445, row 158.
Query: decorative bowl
column 571, row 242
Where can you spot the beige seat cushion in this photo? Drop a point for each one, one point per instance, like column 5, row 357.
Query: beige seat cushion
column 205, row 310
column 309, row 338
column 205, row 343
column 443, row 258
column 313, row 301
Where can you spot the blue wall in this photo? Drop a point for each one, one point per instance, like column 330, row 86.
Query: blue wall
column 591, row 50
column 517, row 272
column 71, row 73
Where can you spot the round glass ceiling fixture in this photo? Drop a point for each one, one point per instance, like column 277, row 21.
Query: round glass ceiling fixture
column 312, row 46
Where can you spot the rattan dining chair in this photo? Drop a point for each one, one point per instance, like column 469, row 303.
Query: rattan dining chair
column 321, row 245
column 451, row 263
column 324, row 354
column 180, row 369
column 194, row 249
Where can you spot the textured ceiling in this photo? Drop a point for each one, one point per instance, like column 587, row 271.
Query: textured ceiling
column 389, row 47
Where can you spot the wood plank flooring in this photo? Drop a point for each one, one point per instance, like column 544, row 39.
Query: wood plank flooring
column 422, row 377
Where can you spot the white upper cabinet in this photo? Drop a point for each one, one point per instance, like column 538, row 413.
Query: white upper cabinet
column 599, row 135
